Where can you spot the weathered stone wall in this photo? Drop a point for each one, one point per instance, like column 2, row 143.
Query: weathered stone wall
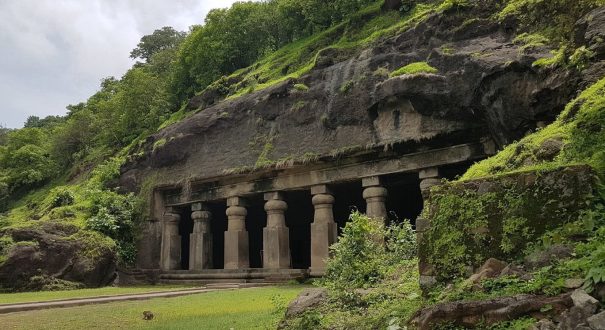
column 498, row 217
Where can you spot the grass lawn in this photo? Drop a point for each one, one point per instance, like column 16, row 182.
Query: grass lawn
column 254, row 308
column 22, row 297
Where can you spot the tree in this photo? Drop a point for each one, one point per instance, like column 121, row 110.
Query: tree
column 161, row 39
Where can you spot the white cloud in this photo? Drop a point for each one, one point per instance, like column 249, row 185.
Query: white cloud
column 55, row 52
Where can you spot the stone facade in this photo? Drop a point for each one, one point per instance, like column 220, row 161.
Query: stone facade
column 279, row 241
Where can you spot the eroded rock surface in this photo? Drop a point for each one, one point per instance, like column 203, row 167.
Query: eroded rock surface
column 485, row 86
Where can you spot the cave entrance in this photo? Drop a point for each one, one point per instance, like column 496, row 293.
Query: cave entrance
column 218, row 226
column 348, row 198
column 404, row 200
column 185, row 230
column 299, row 216
column 256, row 220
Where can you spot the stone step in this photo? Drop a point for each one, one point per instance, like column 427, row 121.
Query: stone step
column 241, row 276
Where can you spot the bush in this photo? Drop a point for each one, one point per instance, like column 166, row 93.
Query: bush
column 62, row 197
column 114, row 215
column 367, row 251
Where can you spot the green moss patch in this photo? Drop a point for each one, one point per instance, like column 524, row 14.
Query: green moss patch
column 414, row 68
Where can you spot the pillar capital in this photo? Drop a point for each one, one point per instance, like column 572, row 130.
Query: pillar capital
column 320, row 189
column 375, row 192
column 199, row 207
column 236, row 211
column 275, row 205
column 322, row 199
column 372, row 181
column 236, row 201
column 275, row 195
column 431, row 172
column 171, row 218
column 201, row 215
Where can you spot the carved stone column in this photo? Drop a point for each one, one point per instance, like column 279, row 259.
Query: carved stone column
column 323, row 229
column 276, row 237
column 428, row 178
column 236, row 236
column 200, row 243
column 375, row 195
column 171, row 241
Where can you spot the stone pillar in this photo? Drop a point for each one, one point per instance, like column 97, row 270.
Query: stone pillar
column 428, row 178
column 171, row 241
column 323, row 229
column 276, row 237
column 236, row 236
column 200, row 242
column 375, row 195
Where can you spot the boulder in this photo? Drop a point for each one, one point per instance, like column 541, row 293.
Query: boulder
column 490, row 269
column 546, row 257
column 572, row 318
column 544, row 324
column 486, row 312
column 585, row 301
column 549, row 149
column 597, row 322
column 305, row 300
column 50, row 255
column 573, row 283
column 512, row 270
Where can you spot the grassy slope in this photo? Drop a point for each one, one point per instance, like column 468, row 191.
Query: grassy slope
column 258, row 308
column 22, row 297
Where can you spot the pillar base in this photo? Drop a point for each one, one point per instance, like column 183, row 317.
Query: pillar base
column 236, row 250
column 322, row 236
column 276, row 248
column 171, row 252
column 201, row 251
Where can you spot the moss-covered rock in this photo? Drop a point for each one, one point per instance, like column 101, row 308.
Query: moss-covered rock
column 500, row 217
column 56, row 255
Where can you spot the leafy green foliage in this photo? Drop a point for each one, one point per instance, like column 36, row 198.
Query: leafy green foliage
column 372, row 278
column 553, row 18
column 62, row 197
column 414, row 68
column 235, row 38
column 160, row 40
column 358, row 255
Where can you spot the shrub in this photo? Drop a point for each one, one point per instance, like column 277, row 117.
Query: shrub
column 62, row 197
column 114, row 215
column 367, row 251
column 414, row 68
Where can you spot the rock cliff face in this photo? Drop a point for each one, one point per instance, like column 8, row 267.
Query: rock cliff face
column 485, row 87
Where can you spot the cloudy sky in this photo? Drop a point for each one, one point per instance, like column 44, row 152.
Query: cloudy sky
column 55, row 52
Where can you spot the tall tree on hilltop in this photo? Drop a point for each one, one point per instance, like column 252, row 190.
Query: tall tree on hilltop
column 161, row 39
